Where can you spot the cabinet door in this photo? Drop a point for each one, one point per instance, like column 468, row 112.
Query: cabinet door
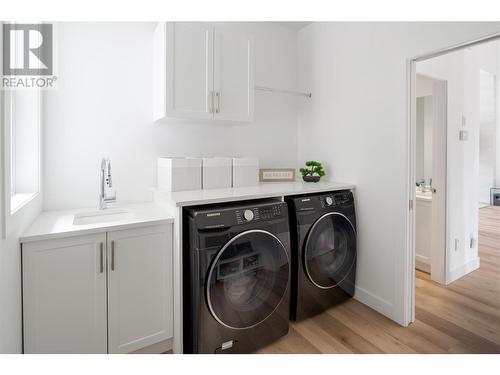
column 64, row 295
column 140, row 301
column 233, row 75
column 189, row 64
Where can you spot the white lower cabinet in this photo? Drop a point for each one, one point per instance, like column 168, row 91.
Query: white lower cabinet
column 64, row 295
column 139, row 288
column 100, row 293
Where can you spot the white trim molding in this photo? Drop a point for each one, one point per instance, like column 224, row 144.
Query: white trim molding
column 378, row 304
column 462, row 270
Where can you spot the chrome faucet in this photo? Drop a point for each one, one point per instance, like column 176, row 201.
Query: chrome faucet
column 106, row 192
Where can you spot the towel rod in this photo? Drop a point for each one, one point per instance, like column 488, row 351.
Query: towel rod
column 270, row 89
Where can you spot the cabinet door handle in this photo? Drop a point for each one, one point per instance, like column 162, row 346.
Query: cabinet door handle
column 101, row 255
column 211, row 101
column 217, row 109
column 112, row 255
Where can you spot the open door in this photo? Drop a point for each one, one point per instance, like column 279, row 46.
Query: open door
column 439, row 155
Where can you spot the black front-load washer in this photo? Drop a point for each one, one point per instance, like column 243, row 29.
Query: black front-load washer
column 237, row 271
column 323, row 230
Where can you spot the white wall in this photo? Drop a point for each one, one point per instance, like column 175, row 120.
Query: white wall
column 488, row 147
column 103, row 107
column 488, row 57
column 428, row 132
column 424, row 124
column 424, row 86
column 358, row 114
column 420, row 131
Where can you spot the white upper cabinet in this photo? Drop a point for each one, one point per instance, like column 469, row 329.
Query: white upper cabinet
column 188, row 69
column 203, row 71
column 233, row 75
column 140, row 295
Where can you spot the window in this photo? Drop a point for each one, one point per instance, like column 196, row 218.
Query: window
column 24, row 120
column 22, row 125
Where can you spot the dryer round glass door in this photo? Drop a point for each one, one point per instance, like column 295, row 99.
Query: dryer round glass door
column 330, row 250
column 248, row 279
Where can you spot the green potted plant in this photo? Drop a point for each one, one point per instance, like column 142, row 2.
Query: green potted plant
column 314, row 171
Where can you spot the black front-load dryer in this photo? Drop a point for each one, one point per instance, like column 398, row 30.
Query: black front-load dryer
column 323, row 233
column 236, row 282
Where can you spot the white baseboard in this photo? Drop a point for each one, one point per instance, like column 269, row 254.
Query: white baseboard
column 422, row 264
column 463, row 270
column 376, row 303
column 422, row 258
column 158, row 348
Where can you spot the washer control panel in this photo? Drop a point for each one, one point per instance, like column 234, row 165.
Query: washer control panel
column 226, row 215
column 258, row 213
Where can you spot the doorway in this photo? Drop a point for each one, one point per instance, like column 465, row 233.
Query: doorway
column 457, row 257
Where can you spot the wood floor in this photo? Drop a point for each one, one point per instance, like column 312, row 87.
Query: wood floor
column 463, row 317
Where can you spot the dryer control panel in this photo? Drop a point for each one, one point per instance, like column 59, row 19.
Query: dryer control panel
column 335, row 199
column 324, row 201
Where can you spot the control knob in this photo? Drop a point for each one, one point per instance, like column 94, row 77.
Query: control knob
column 329, row 201
column 248, row 215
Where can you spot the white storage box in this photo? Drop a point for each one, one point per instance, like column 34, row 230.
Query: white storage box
column 245, row 172
column 178, row 174
column 217, row 173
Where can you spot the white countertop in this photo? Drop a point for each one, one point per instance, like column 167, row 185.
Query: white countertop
column 263, row 190
column 59, row 224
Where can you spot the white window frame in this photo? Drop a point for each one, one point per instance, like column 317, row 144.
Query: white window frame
column 14, row 200
column 12, row 140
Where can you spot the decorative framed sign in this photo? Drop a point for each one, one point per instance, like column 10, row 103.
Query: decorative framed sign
column 277, row 175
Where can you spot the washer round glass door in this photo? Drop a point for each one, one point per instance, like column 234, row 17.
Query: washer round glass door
column 330, row 250
column 247, row 279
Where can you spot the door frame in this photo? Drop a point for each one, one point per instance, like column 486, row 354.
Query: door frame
column 409, row 256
